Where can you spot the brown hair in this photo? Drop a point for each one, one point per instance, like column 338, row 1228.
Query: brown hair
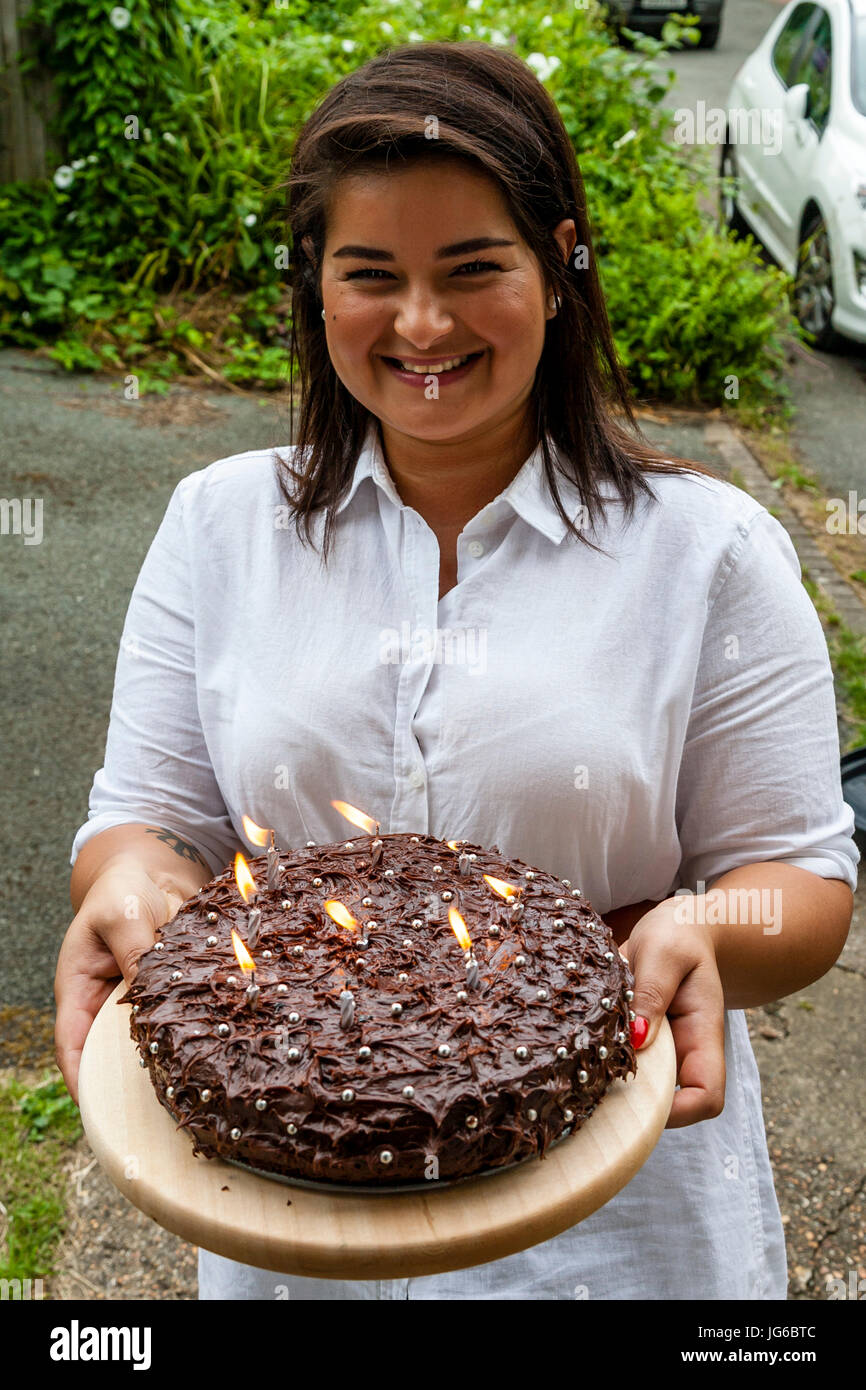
column 492, row 110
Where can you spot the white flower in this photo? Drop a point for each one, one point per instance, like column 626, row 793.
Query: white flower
column 474, row 4
column 64, row 176
column 415, row 37
column 624, row 139
column 71, row 217
column 466, row 28
column 78, row 163
column 26, row 316
column 250, row 219
column 93, row 159
column 386, row 27
column 120, row 17
column 497, row 36
column 348, row 45
column 546, row 22
column 169, row 138
column 542, row 66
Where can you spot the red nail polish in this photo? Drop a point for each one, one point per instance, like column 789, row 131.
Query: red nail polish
column 639, row 1030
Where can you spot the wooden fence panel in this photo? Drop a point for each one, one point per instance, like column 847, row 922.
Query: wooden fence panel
column 27, row 102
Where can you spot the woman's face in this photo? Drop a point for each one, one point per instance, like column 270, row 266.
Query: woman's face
column 423, row 266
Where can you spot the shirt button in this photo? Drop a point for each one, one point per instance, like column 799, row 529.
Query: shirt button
column 476, row 548
column 416, row 777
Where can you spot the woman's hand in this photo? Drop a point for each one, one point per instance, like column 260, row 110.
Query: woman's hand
column 675, row 972
column 114, row 925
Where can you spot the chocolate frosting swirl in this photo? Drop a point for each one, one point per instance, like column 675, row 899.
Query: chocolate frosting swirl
column 430, row 1079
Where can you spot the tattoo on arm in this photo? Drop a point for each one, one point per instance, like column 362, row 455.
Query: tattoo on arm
column 181, row 847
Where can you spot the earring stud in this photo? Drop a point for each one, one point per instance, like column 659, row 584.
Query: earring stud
column 323, row 313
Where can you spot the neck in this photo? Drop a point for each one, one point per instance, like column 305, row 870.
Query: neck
column 449, row 481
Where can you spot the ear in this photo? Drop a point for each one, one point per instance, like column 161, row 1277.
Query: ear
column 565, row 233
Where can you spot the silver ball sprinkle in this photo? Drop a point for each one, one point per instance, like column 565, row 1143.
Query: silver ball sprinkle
column 310, row 844
column 169, row 1092
column 317, row 883
column 447, row 895
column 559, row 923
column 396, row 1010
column 407, row 944
column 160, row 946
column 583, row 1077
column 136, row 1008
column 520, row 960
column 629, row 994
column 205, row 1095
column 437, row 869
column 473, row 856
column 576, row 893
column 177, row 974
column 386, row 1156
column 291, row 1129
column 560, row 902
column 606, row 1003
column 566, row 882
column 211, row 941
column 223, row 1030
column 444, row 1050
column 529, row 874
column 416, row 922
column 493, row 931
column 632, row 1015
column 521, row 1053
column 572, row 965
column 602, row 1052
column 541, row 994
column 364, row 1053
column 372, row 925
column 285, row 904
column 235, row 1133
column 562, row 1052
column 261, row 1104
column 367, row 902
column 620, row 1037
column 212, row 917
column 266, row 955
column 293, row 1054
column 347, row 1095
column 297, row 950
column 471, row 1121
column 142, row 1062
column 231, row 979
column 462, row 996
column 568, row 1116
column 282, row 989
column 608, row 955
column 153, row 1048
column 402, row 978
column 414, row 840
column 409, row 1092
column 532, row 1114
column 389, row 873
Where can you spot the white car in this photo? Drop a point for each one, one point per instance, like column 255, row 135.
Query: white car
column 794, row 160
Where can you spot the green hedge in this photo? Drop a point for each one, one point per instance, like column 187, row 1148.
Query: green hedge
column 95, row 259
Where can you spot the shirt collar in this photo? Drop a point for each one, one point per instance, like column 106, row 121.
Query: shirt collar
column 527, row 493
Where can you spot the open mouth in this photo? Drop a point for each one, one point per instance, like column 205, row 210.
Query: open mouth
column 444, row 367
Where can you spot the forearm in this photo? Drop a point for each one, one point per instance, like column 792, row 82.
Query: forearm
column 168, row 859
column 775, row 928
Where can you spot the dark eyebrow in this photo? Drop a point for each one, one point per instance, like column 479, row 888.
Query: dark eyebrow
column 458, row 248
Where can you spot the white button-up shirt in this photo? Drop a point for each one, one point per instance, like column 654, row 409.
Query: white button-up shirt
column 638, row 721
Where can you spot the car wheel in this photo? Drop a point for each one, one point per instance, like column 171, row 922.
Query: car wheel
column 730, row 214
column 709, row 34
column 813, row 297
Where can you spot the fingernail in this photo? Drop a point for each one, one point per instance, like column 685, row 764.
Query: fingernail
column 639, row 1030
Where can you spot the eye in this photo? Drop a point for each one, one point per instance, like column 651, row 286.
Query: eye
column 479, row 266
column 362, row 274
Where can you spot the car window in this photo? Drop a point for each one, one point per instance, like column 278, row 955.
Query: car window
column 813, row 68
column 858, row 64
column 789, row 44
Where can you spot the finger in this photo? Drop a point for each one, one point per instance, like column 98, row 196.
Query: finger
column 697, row 1018
column 77, row 1007
column 658, row 972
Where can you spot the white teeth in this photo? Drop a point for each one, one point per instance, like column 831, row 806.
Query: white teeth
column 433, row 368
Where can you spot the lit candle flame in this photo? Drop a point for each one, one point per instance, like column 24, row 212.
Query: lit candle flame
column 244, row 879
column 458, row 926
column 245, row 960
column 508, row 891
column 341, row 914
column 256, row 833
column 365, row 823
column 454, row 844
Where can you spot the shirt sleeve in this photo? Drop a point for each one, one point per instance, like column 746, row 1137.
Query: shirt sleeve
column 156, row 767
column 760, row 775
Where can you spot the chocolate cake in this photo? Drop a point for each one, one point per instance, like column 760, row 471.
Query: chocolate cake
column 381, row 1051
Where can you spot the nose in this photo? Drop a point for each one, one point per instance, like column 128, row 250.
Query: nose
column 422, row 319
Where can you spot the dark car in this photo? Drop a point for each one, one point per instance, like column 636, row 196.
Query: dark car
column 648, row 16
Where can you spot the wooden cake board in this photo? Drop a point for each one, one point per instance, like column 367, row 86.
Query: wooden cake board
column 340, row 1235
